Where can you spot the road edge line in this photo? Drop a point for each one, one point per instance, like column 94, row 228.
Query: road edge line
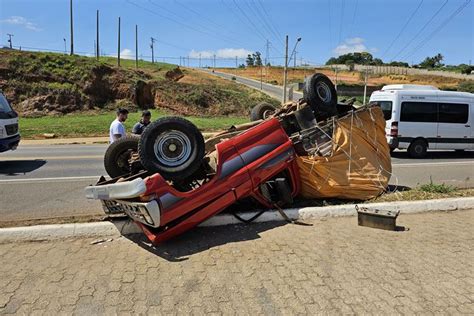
column 127, row 227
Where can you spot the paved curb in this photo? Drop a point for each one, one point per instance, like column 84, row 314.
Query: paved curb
column 80, row 140
column 115, row 229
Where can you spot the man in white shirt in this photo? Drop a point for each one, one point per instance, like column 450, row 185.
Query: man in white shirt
column 117, row 129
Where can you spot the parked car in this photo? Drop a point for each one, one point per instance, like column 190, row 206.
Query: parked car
column 420, row 117
column 9, row 133
column 170, row 180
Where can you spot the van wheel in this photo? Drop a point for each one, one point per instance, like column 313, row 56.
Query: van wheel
column 417, row 148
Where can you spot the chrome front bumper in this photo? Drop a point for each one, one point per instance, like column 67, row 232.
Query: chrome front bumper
column 116, row 191
column 147, row 213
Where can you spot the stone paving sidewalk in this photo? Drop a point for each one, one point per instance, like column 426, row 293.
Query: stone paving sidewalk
column 332, row 267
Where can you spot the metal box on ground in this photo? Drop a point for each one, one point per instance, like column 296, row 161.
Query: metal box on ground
column 377, row 218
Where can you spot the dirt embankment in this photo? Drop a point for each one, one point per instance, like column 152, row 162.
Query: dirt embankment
column 39, row 84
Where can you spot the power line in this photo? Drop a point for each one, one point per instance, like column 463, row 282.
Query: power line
column 351, row 29
column 421, row 30
column 204, row 27
column 269, row 19
column 342, row 18
column 403, row 28
column 211, row 34
column 261, row 17
column 248, row 19
column 439, row 28
column 202, row 16
column 330, row 25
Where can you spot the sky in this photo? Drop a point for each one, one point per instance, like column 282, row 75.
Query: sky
column 406, row 30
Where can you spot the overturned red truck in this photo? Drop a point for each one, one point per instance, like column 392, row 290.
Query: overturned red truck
column 170, row 180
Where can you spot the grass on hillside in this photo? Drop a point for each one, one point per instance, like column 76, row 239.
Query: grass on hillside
column 88, row 125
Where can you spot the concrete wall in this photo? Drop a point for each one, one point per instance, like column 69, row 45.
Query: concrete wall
column 402, row 71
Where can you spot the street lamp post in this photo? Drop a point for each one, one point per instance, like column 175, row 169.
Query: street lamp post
column 285, row 72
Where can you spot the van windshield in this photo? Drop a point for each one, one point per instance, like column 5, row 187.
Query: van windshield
column 386, row 109
column 4, row 106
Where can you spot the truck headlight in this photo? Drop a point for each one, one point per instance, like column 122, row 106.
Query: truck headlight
column 146, row 216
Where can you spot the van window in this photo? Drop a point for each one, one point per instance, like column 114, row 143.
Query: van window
column 386, row 109
column 453, row 113
column 419, row 112
column 4, row 106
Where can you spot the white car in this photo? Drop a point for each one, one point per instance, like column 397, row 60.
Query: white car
column 9, row 134
column 422, row 117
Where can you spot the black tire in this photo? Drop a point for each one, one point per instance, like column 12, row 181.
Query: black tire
column 171, row 146
column 320, row 93
column 418, row 148
column 261, row 111
column 117, row 155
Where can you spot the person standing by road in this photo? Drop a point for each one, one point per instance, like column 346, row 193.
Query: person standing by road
column 144, row 121
column 117, row 129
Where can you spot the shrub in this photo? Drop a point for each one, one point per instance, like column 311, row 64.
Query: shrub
column 467, row 86
column 437, row 188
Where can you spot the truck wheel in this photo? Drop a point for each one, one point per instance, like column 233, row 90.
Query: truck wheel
column 116, row 159
column 261, row 111
column 321, row 95
column 171, row 146
column 417, row 148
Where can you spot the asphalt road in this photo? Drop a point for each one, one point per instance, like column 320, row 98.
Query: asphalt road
column 270, row 89
column 38, row 182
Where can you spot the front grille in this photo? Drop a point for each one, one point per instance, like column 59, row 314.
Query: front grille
column 11, row 129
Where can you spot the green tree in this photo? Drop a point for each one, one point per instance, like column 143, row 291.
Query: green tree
column 399, row 64
column 350, row 64
column 359, row 58
column 377, row 62
column 257, row 59
column 432, row 62
column 249, row 60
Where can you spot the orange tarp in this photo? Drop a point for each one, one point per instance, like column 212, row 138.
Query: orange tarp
column 359, row 166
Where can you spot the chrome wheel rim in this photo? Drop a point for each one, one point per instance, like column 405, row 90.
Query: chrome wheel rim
column 172, row 148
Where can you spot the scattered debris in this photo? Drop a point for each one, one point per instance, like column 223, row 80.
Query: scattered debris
column 101, row 241
column 376, row 218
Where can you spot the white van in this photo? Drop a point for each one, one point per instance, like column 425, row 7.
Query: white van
column 9, row 134
column 420, row 117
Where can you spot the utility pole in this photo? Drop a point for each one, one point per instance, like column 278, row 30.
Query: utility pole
column 365, row 83
column 72, row 27
column 97, row 36
column 267, row 52
column 10, row 40
column 118, row 47
column 136, row 46
column 152, row 50
column 65, row 48
column 285, row 70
